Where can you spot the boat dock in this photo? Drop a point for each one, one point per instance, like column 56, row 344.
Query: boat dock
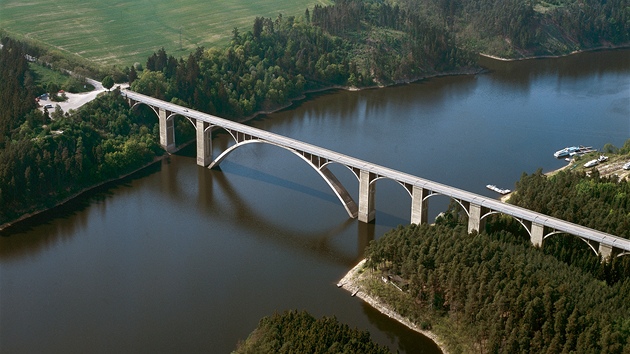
column 492, row 187
column 573, row 150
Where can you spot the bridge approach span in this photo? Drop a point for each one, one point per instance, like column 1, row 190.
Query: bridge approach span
column 476, row 206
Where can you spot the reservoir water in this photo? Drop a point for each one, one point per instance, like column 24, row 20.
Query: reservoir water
column 179, row 258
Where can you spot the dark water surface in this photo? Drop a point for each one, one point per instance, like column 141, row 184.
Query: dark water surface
column 184, row 259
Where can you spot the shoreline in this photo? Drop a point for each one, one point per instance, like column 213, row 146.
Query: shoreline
column 595, row 49
column 350, row 282
column 36, row 212
column 304, row 95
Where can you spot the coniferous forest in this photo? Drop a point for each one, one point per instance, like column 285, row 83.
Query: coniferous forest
column 501, row 295
column 300, row 332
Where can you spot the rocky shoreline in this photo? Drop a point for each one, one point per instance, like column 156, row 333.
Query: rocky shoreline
column 352, row 283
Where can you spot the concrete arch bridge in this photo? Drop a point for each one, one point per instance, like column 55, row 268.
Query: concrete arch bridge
column 477, row 207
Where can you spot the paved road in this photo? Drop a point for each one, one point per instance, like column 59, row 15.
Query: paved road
column 76, row 100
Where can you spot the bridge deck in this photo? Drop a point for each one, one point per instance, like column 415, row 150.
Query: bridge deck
column 490, row 203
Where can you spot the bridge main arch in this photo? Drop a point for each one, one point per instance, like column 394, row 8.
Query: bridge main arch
column 322, row 170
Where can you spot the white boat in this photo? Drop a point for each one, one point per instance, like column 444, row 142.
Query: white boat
column 591, row 163
column 492, row 187
column 572, row 151
column 566, row 151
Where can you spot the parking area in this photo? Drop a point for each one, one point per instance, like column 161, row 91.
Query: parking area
column 76, row 100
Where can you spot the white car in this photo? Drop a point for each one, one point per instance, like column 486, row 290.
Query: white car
column 626, row 166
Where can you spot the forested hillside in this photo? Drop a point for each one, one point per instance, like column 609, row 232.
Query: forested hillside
column 517, row 28
column 300, row 332
column 497, row 294
column 47, row 157
column 279, row 59
column 358, row 43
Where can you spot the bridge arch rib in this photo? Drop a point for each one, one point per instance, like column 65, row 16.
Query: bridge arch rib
column 139, row 103
column 402, row 184
column 589, row 244
column 492, row 212
column 340, row 191
column 354, row 171
column 175, row 114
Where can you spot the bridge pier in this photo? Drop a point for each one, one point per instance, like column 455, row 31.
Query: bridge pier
column 475, row 223
column 367, row 211
column 419, row 205
column 167, row 130
column 537, row 233
column 204, row 143
column 607, row 251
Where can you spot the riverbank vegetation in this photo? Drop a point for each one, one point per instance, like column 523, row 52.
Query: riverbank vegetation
column 300, row 332
column 48, row 157
column 585, row 198
column 495, row 292
column 499, row 294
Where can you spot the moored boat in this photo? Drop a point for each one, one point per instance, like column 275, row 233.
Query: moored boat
column 566, row 151
column 492, row 187
column 572, row 151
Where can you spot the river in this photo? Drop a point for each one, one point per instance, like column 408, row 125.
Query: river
column 178, row 258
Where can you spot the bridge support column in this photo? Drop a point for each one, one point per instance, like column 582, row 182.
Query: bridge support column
column 167, row 131
column 419, row 205
column 204, row 143
column 537, row 233
column 474, row 219
column 367, row 211
column 606, row 251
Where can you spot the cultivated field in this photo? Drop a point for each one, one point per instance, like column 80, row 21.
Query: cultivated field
column 123, row 32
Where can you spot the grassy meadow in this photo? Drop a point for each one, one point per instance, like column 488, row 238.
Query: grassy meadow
column 122, row 32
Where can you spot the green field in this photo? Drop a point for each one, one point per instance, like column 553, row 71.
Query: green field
column 122, row 32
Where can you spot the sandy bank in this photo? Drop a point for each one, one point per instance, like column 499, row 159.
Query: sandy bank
column 611, row 47
column 352, row 283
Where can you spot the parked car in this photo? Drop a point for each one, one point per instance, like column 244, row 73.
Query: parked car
column 48, row 106
column 626, row 166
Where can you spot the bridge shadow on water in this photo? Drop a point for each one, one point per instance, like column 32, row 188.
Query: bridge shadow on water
column 261, row 176
column 320, row 244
